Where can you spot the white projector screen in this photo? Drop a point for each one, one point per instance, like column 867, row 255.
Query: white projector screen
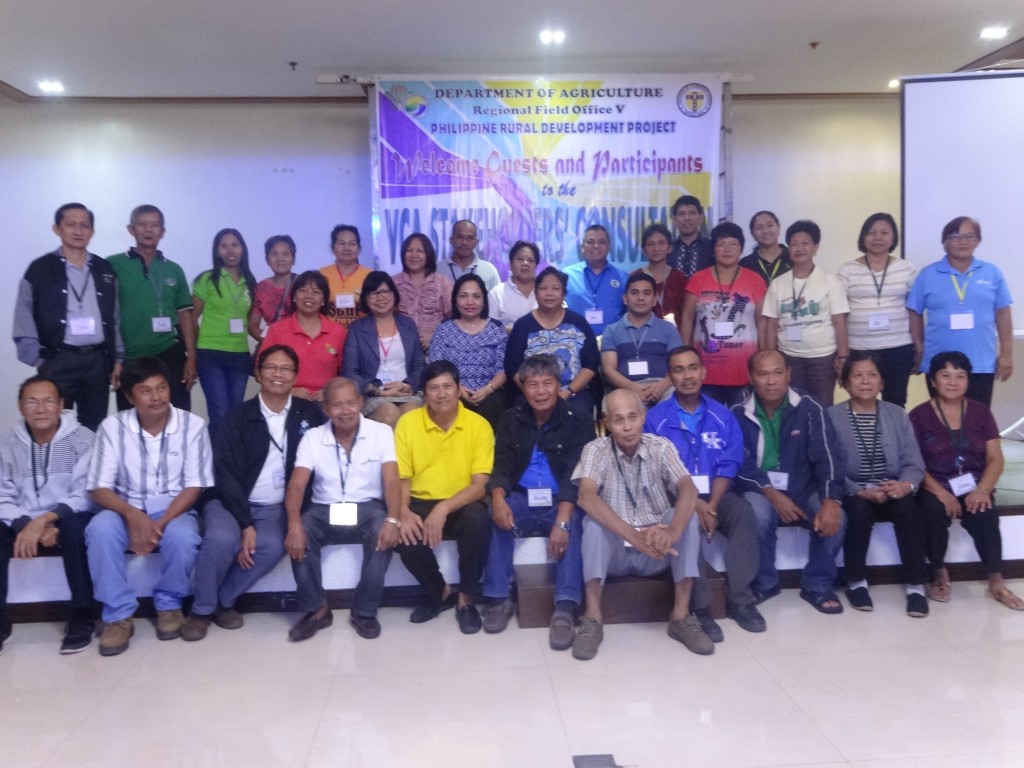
column 963, row 155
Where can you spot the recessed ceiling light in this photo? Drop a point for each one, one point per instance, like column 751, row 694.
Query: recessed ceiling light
column 552, row 36
column 993, row 33
column 51, row 86
column 894, row 83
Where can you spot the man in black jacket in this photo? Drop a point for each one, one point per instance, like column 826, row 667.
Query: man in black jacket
column 536, row 449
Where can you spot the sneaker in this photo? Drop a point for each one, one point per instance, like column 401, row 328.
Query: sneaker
column 469, row 619
column 561, row 633
column 427, row 610
column 688, row 632
column 77, row 635
column 747, row 617
column 169, row 624
column 365, row 626
column 710, row 626
column 195, row 628
column 588, row 639
column 860, row 599
column 497, row 616
column 309, row 625
column 5, row 632
column 227, row 618
column 917, row 605
column 115, row 637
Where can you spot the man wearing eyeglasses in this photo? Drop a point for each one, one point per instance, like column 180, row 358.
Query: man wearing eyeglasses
column 43, row 501
column 464, row 258
column 595, row 287
column 243, row 515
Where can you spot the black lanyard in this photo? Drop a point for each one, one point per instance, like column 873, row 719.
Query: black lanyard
column 46, row 466
column 79, row 295
column 860, row 436
column 878, row 285
column 723, row 298
column 163, row 454
column 957, row 437
column 343, row 475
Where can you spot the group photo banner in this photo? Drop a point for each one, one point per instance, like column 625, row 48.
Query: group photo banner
column 540, row 159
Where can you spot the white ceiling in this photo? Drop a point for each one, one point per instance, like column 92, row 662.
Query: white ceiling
column 241, row 48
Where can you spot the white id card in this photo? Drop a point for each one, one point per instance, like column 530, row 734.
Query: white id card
column 703, row 483
column 157, row 505
column 795, row 333
column 344, row 513
column 961, row 321
column 539, row 497
column 345, row 301
column 162, row 325
column 724, row 329
column 962, row 484
column 594, row 316
column 82, row 326
column 637, row 368
column 236, row 325
column 878, row 322
column 779, row 480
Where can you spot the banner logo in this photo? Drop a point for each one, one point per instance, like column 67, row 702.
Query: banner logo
column 694, row 100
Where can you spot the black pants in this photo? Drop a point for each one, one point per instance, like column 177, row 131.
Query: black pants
column 491, row 407
column 906, row 517
column 70, row 545
column 84, row 381
column 470, row 526
column 174, row 358
column 983, row 528
column 896, row 365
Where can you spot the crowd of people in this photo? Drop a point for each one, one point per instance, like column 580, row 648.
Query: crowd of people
column 445, row 403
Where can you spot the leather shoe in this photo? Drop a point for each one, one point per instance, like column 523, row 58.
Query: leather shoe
column 365, row 626
column 747, row 617
column 427, row 611
column 309, row 625
column 469, row 619
column 710, row 626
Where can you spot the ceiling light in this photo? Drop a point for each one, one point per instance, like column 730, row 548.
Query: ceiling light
column 894, row 83
column 993, row 33
column 51, row 86
column 552, row 36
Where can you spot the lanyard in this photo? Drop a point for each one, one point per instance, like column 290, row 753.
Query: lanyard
column 284, row 437
column 638, row 344
column 860, row 436
column 157, row 283
column 880, row 285
column 469, row 270
column 761, row 261
column 284, row 295
column 385, row 351
column 587, row 272
column 798, row 296
column 163, row 453
column 625, row 480
column 45, row 468
column 79, row 295
column 723, row 298
column 961, row 291
column 957, row 437
column 343, row 475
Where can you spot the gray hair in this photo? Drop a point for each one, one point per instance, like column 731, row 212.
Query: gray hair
column 541, row 365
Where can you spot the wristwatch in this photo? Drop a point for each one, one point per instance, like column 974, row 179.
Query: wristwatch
column 565, row 526
column 394, row 521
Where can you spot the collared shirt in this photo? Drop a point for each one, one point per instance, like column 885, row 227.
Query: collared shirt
column 690, row 421
column 640, row 489
column 441, row 463
column 82, row 303
column 360, row 469
column 319, row 357
column 709, row 440
column 538, row 472
column 159, row 290
column 770, row 426
column 649, row 343
column 768, row 270
column 588, row 290
column 693, row 257
column 269, row 487
column 506, row 303
column 220, row 308
column 426, row 303
column 482, row 269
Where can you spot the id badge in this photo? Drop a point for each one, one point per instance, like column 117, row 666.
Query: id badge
column 162, row 325
column 962, row 484
column 385, row 377
column 637, row 368
column 594, row 316
column 344, row 513
column 345, row 301
column 155, row 506
column 539, row 497
column 703, row 483
column 278, row 478
column 961, row 321
column 779, row 480
column 795, row 333
column 724, row 329
column 235, row 325
column 878, row 322
column 82, row 326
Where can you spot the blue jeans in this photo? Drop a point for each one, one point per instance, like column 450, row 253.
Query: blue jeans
column 316, row 521
column 219, row 578
column 819, row 575
column 223, row 376
column 534, row 521
column 106, row 538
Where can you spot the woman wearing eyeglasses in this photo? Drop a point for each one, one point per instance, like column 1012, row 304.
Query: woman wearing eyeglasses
column 968, row 306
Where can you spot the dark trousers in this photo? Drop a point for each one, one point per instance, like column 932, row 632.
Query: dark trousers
column 814, row 375
column 983, row 528
column 491, row 407
column 726, row 395
column 174, row 358
column 906, row 517
column 84, row 381
column 470, row 526
column 895, row 365
column 70, row 545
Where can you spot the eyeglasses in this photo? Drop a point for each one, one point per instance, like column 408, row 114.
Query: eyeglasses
column 381, row 293
column 46, row 403
column 287, row 370
column 967, row 237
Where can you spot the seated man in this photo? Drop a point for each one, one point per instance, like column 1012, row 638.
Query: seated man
column 43, row 501
column 538, row 445
column 355, row 499
column 793, row 481
column 711, row 447
column 243, row 515
column 445, row 456
column 146, row 473
column 626, row 483
column 634, row 350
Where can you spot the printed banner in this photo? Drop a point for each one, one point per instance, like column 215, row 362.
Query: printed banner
column 541, row 159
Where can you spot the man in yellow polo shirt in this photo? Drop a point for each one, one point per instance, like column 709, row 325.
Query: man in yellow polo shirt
column 445, row 456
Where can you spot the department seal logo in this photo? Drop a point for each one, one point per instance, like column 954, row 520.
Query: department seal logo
column 413, row 104
column 694, row 100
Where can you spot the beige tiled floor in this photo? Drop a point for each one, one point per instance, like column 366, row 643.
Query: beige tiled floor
column 873, row 690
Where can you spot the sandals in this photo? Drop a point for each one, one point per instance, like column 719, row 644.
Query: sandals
column 1007, row 598
column 818, row 600
column 939, row 591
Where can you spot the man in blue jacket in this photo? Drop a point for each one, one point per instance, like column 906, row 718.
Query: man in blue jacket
column 710, row 445
column 791, row 475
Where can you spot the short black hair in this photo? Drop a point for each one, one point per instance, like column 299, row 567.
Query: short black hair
column 769, row 214
column 440, row 368
column 317, row 279
column 870, row 221
column 727, row 229
column 953, row 227
column 651, row 231
column 640, row 277
column 469, row 277
column 519, row 245
column 38, row 379
column 955, row 357
column 139, row 210
column 73, row 207
column 345, row 228
column 275, row 239
column 687, row 200
column 806, row 226
column 284, row 348
column 549, row 270
column 139, row 369
column 428, row 248
column 684, row 349
column 373, row 281
column 858, row 356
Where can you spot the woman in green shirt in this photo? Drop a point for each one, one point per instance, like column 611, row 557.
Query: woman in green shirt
column 222, row 298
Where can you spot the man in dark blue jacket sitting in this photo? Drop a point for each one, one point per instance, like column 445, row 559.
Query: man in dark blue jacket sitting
column 791, row 475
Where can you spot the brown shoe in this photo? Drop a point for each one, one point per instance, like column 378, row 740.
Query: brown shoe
column 228, row 618
column 169, row 624
column 195, row 628
column 115, row 637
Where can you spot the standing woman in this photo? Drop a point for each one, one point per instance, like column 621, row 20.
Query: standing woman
column 346, row 275
column 476, row 345
column 769, row 257
column 271, row 299
column 670, row 284
column 552, row 329
column 968, row 306
column 806, row 312
column 426, row 294
column 876, row 287
column 517, row 295
column 383, row 354
column 963, row 461
column 222, row 298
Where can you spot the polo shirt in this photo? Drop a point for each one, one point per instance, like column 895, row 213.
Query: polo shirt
column 320, row 453
column 439, row 464
column 232, row 302
column 649, row 342
column 506, row 303
column 482, row 269
column 588, row 290
column 935, row 296
column 160, row 290
column 770, row 426
column 344, row 286
column 319, row 357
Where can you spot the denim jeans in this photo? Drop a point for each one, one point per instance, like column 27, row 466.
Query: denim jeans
column 223, row 376
column 819, row 574
column 219, row 578
column 534, row 521
column 106, row 537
